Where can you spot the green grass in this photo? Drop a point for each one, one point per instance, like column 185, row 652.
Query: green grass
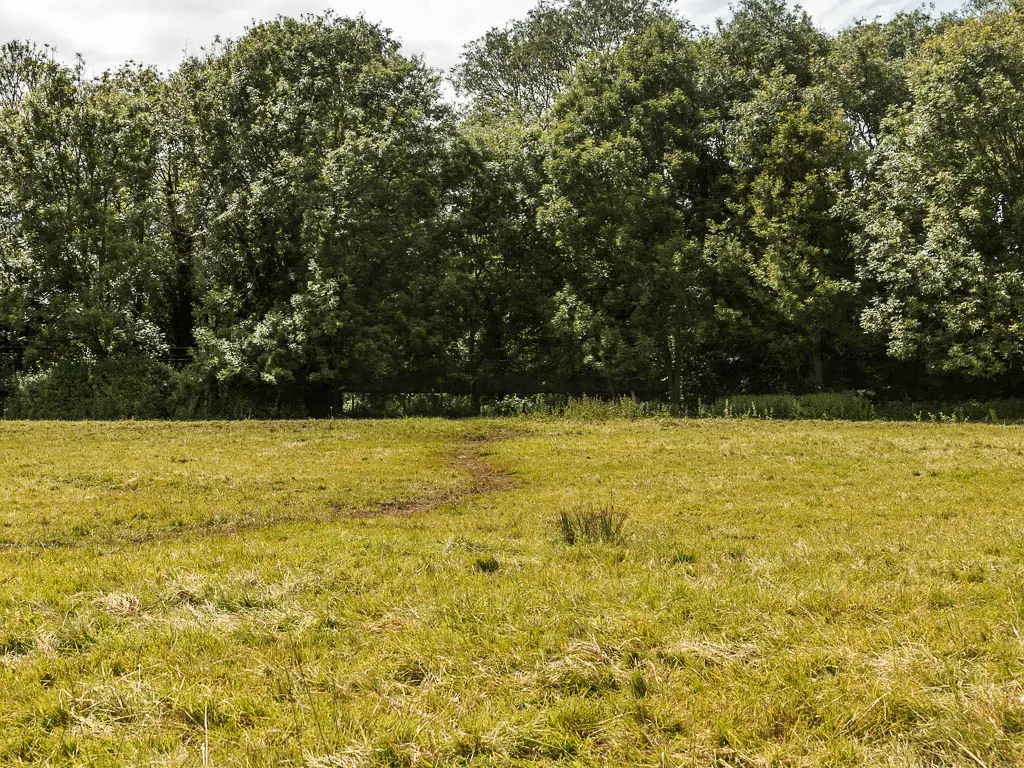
column 400, row 594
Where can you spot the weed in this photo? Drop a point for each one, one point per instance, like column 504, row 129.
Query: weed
column 638, row 684
column 16, row 646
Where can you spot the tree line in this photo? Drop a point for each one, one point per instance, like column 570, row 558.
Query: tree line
column 614, row 202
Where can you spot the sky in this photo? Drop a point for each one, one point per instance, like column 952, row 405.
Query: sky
column 159, row 32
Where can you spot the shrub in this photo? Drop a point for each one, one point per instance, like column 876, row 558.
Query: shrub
column 114, row 388
column 937, row 410
column 201, row 392
column 590, row 409
column 585, row 408
column 511, row 405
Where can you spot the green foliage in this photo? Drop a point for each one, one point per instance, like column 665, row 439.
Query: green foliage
column 503, row 271
column 764, row 39
column 868, row 66
column 520, row 70
column 82, row 261
column 992, row 411
column 854, row 406
column 24, row 66
column 585, row 408
column 623, row 205
column 591, row 408
column 325, row 154
column 784, row 253
column 631, row 180
column 108, row 389
column 847, row 406
column 942, row 257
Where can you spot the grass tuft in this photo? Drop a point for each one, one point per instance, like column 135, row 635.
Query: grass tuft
column 488, row 565
column 592, row 524
column 412, row 672
column 119, row 604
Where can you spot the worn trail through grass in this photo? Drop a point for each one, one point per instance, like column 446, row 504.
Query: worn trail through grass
column 481, row 478
column 240, row 510
column 470, row 460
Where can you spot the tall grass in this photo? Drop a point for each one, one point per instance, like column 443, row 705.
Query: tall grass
column 585, row 408
column 846, row 406
column 592, row 524
column 822, row 406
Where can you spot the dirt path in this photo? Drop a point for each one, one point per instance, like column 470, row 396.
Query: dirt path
column 469, row 458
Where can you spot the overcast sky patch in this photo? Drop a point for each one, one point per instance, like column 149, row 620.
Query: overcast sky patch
column 110, row 32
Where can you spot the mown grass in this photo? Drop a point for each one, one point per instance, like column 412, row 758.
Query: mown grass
column 781, row 594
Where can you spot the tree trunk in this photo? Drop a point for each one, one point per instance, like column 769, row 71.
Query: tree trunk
column 676, row 392
column 675, row 376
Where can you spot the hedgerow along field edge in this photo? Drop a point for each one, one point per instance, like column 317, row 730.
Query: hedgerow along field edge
column 399, row 593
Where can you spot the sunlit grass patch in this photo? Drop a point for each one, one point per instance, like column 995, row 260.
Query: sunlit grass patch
column 783, row 593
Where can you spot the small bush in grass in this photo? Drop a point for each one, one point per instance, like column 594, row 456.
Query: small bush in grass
column 592, row 524
column 16, row 646
column 638, row 684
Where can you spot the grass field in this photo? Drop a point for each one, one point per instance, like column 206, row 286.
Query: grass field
column 352, row 594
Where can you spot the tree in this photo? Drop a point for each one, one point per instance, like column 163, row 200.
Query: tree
column 81, row 253
column 632, row 192
column 944, row 224
column 783, row 271
column 868, row 66
column 520, row 70
column 179, row 201
column 324, row 156
column 502, row 269
column 82, row 258
column 790, row 154
column 23, row 66
column 625, row 205
column 763, row 38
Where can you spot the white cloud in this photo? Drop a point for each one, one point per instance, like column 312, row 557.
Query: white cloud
column 108, row 32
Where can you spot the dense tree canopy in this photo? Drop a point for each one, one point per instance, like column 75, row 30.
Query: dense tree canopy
column 326, row 160
column 616, row 203
column 945, row 221
column 632, row 183
column 520, row 71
